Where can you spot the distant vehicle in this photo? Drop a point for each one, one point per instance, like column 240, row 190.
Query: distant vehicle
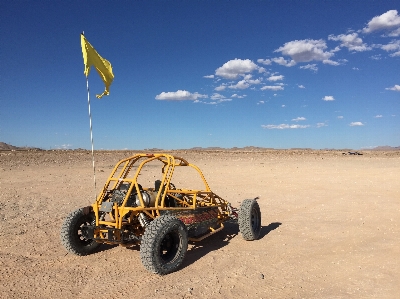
column 353, row 153
column 161, row 218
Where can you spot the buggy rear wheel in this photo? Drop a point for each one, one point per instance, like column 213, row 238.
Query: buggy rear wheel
column 164, row 245
column 250, row 219
column 71, row 233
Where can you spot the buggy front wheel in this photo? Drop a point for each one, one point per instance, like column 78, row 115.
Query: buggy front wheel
column 164, row 245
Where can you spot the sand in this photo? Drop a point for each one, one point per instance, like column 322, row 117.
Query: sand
column 330, row 228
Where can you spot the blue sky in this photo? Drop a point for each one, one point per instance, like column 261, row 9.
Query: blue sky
column 279, row 74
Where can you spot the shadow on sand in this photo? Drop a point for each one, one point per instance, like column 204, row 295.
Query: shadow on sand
column 219, row 240
column 202, row 248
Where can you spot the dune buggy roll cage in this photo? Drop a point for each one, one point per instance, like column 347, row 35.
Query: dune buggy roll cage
column 123, row 213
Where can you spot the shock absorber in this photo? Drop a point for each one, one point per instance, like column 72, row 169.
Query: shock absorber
column 144, row 220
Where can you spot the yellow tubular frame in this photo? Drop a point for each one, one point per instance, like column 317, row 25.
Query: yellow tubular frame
column 197, row 198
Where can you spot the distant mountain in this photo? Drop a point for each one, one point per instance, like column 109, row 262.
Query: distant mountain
column 386, row 148
column 8, row 147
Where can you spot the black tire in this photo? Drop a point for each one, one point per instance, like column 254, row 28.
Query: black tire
column 71, row 236
column 250, row 219
column 164, row 245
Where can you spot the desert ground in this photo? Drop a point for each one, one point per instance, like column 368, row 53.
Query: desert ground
column 330, row 228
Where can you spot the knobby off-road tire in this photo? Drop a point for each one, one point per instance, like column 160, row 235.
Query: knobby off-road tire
column 250, row 219
column 71, row 236
column 164, row 245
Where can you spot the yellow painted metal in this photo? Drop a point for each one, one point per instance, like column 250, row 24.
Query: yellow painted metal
column 188, row 200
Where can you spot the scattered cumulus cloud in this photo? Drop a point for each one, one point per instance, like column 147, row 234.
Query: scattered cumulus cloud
column 63, row 146
column 264, row 61
column 305, row 50
column 311, row 67
column 217, row 96
column 394, row 88
column 284, row 126
column 328, row 98
column 272, row 87
column 220, row 88
column 233, row 69
column 378, row 116
column 389, row 21
column 340, row 117
column 356, row 124
column 351, row 41
column 300, row 86
column 262, row 70
column 179, row 95
column 238, row 96
column 283, row 61
column 330, row 62
column 209, row 76
column 243, row 84
column 276, row 78
column 320, row 125
column 392, row 46
column 376, row 57
column 299, row 118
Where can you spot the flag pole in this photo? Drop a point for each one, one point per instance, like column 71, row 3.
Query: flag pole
column 91, row 137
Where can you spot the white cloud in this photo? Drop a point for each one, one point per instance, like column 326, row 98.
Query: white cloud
column 217, row 99
column 300, row 86
column 390, row 20
column 284, row 126
column 320, row 125
column 330, row 62
column 395, row 33
column 356, row 123
column 394, row 88
column 238, row 96
column 179, row 95
column 392, row 46
column 340, row 117
column 209, row 76
column 235, row 68
column 264, row 61
column 305, row 50
column 378, row 116
column 283, row 106
column 276, row 78
column 273, row 87
column 351, row 41
column 262, row 70
column 376, row 57
column 299, row 118
column 312, row 67
column 283, row 61
column 328, row 98
column 63, row 146
column 260, row 102
column 243, row 84
column 220, row 88
column 217, row 96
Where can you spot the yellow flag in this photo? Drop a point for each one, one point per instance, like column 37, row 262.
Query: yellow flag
column 103, row 66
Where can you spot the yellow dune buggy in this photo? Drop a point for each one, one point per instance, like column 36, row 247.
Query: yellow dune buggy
column 139, row 205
